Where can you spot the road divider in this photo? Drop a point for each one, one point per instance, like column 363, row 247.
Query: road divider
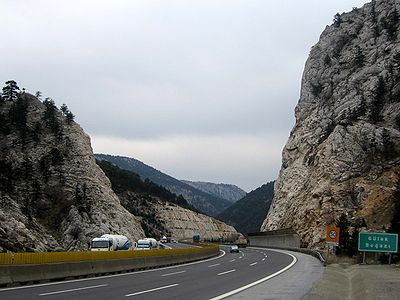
column 38, row 267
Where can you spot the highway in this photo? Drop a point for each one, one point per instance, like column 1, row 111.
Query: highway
column 215, row 278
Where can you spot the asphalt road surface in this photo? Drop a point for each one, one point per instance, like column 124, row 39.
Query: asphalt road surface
column 216, row 278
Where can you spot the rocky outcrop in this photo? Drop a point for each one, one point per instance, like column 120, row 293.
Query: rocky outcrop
column 343, row 155
column 53, row 196
column 184, row 223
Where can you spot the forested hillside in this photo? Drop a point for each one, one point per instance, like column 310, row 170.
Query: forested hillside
column 247, row 214
column 204, row 202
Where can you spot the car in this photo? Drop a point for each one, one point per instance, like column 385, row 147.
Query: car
column 173, row 241
column 234, row 248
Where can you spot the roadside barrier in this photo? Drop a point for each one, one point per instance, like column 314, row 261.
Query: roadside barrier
column 44, row 266
column 56, row 257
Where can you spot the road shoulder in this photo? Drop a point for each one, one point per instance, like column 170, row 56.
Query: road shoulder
column 292, row 284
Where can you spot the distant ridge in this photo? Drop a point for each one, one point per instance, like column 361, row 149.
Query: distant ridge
column 229, row 192
column 204, row 202
column 247, row 214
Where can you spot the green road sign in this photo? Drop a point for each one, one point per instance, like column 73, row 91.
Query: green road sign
column 377, row 242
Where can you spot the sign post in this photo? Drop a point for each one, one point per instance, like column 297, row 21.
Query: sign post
column 377, row 242
column 332, row 235
column 332, row 238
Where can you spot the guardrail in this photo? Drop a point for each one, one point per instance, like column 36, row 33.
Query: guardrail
column 36, row 267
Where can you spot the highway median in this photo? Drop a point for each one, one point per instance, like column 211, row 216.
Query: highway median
column 25, row 268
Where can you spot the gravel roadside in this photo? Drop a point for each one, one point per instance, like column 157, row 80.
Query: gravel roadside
column 345, row 281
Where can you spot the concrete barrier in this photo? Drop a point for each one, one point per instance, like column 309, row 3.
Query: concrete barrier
column 276, row 238
column 30, row 273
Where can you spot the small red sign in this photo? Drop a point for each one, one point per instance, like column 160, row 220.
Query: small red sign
column 332, row 234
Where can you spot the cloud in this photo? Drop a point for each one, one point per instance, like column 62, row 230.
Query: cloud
column 204, row 82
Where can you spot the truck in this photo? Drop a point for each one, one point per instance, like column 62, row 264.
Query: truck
column 196, row 238
column 110, row 242
column 146, row 244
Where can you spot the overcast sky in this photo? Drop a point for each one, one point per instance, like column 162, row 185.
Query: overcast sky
column 201, row 90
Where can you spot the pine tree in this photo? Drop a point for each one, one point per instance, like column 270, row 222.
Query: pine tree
column 10, row 91
column 378, row 101
column 50, row 116
column 38, row 95
column 359, row 57
column 337, row 20
column 64, row 109
column 70, row 117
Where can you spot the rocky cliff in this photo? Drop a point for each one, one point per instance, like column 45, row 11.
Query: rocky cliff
column 53, row 196
column 184, row 223
column 343, row 155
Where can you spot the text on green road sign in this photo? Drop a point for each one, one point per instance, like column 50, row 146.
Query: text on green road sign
column 377, row 242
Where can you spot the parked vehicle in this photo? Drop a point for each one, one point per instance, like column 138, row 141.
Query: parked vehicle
column 164, row 239
column 110, row 242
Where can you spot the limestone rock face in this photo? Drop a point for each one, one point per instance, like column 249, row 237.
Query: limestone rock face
column 53, row 196
column 343, row 155
column 184, row 223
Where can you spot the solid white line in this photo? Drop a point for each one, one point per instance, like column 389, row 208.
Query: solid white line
column 223, row 273
column 152, row 290
column 258, row 281
column 214, row 265
column 232, row 260
column 169, row 274
column 114, row 275
column 253, row 264
column 73, row 290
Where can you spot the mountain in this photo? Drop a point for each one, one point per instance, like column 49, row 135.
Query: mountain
column 204, row 202
column 225, row 191
column 161, row 211
column 248, row 214
column 342, row 159
column 53, row 194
